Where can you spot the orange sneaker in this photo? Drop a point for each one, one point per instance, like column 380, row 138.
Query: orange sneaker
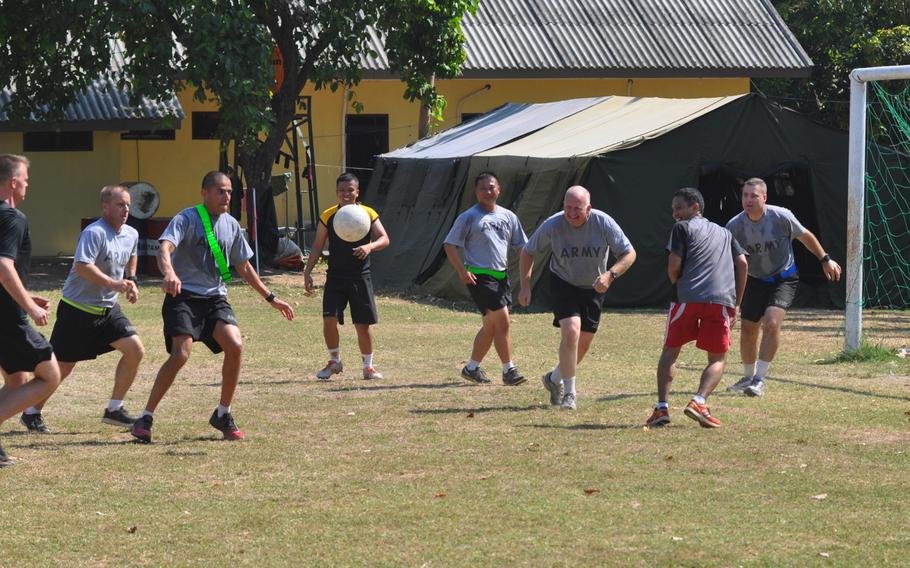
column 660, row 417
column 701, row 414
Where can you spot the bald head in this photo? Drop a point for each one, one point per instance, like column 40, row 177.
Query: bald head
column 576, row 205
column 578, row 192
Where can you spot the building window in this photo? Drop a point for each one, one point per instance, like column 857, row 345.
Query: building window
column 70, row 141
column 366, row 135
column 147, row 135
column 205, row 125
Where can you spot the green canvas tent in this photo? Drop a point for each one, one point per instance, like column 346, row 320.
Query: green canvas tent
column 632, row 153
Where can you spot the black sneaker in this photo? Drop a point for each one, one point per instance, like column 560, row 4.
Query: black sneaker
column 477, row 375
column 34, row 423
column 142, row 429
column 4, row 459
column 119, row 417
column 512, row 377
column 225, row 424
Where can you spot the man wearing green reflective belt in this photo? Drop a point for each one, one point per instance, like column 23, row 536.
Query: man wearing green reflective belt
column 485, row 232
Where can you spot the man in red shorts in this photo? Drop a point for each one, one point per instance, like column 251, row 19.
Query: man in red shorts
column 708, row 269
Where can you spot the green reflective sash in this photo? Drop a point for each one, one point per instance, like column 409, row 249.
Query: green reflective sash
column 497, row 274
column 220, row 262
column 94, row 310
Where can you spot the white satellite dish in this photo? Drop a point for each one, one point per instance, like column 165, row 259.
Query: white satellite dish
column 144, row 199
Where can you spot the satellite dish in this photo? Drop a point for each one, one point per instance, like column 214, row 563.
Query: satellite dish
column 144, row 199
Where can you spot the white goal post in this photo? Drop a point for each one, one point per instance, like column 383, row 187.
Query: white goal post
column 856, row 181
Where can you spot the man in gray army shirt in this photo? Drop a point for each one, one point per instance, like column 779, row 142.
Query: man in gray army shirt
column 580, row 240
column 767, row 233
column 708, row 269
column 89, row 319
column 485, row 232
column 195, row 305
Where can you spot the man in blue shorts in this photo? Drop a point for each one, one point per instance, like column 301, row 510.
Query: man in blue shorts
column 767, row 233
column 89, row 319
column 22, row 349
column 579, row 240
column 485, row 232
column 348, row 280
column 708, row 270
column 196, row 249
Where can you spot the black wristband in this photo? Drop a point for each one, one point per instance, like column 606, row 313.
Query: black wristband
column 613, row 275
column 131, row 278
column 270, row 298
column 825, row 258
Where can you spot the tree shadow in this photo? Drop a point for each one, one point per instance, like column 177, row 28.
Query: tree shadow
column 583, row 427
column 373, row 387
column 845, row 390
column 624, row 395
column 478, row 410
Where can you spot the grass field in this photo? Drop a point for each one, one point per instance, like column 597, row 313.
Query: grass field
column 423, row 469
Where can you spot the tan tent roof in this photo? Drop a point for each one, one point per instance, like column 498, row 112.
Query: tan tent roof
column 614, row 124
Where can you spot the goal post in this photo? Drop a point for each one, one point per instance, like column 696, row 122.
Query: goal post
column 856, row 183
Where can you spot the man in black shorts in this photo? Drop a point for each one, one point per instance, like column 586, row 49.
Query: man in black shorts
column 89, row 319
column 485, row 232
column 579, row 240
column 347, row 280
column 767, row 233
column 196, row 250
column 22, row 349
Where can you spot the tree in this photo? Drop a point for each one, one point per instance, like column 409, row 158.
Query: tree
column 839, row 36
column 223, row 48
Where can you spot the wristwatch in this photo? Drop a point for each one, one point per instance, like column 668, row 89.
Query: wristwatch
column 825, row 258
column 613, row 275
column 270, row 298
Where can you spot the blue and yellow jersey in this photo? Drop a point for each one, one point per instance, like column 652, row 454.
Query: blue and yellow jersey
column 342, row 262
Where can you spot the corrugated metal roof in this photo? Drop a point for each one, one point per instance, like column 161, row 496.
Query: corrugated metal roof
column 624, row 38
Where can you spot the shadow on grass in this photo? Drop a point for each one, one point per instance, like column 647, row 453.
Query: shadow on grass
column 845, row 390
column 479, row 410
column 583, row 427
column 373, row 387
column 624, row 395
column 51, row 445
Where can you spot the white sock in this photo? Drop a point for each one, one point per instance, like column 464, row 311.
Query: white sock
column 114, row 404
column 146, row 413
column 568, row 385
column 335, row 354
column 554, row 375
column 507, row 366
column 662, row 405
column 367, row 360
column 748, row 370
column 222, row 410
column 761, row 369
column 699, row 399
column 32, row 410
column 472, row 364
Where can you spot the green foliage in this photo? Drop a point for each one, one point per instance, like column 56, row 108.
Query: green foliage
column 866, row 353
column 839, row 36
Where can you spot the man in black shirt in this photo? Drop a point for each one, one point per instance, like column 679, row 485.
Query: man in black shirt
column 347, row 279
column 22, row 349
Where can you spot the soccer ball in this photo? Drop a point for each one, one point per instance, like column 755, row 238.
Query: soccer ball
column 351, row 223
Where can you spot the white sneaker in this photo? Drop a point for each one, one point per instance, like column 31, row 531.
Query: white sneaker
column 757, row 388
column 331, row 368
column 568, row 401
column 740, row 385
column 554, row 389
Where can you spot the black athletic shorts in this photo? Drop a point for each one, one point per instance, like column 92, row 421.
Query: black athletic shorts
column 80, row 336
column 195, row 316
column 339, row 292
column 569, row 300
column 760, row 295
column 22, row 348
column 490, row 294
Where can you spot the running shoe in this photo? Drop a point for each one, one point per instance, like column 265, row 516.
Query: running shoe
column 568, row 401
column 660, row 417
column 757, row 388
column 332, row 368
column 142, row 429
column 119, row 417
column 371, row 374
column 740, row 385
column 701, row 414
column 477, row 375
column 554, row 389
column 512, row 377
column 225, row 424
column 34, row 423
column 5, row 460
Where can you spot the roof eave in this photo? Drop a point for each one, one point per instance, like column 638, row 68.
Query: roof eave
column 119, row 125
column 788, row 73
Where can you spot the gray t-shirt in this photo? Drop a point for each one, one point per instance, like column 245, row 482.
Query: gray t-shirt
column 707, row 251
column 107, row 249
column 769, row 241
column 579, row 254
column 486, row 236
column 193, row 260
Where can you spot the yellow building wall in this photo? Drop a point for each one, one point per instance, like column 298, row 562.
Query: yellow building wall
column 63, row 188
column 65, row 184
